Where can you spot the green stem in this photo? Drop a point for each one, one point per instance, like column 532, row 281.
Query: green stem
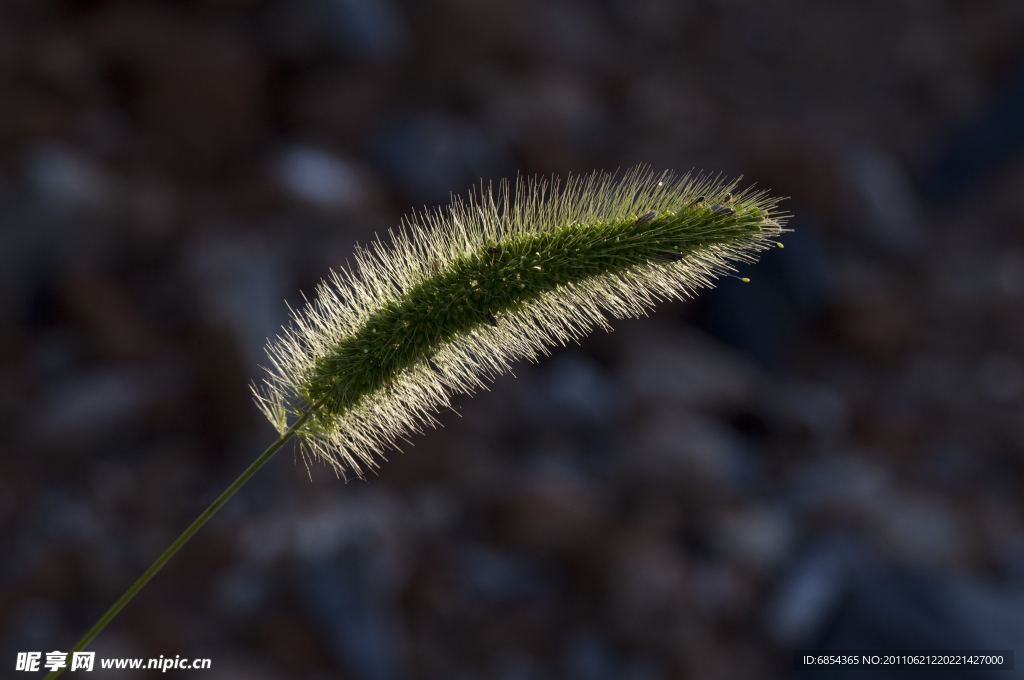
column 182, row 540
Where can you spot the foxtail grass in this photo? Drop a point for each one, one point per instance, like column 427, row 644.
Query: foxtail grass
column 452, row 297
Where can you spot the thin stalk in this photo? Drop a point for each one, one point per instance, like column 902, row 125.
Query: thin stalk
column 182, row 540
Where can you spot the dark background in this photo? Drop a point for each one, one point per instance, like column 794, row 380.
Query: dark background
column 829, row 456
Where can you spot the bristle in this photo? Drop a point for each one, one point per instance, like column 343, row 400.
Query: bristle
column 387, row 342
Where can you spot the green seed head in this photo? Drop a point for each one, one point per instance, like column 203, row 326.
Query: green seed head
column 454, row 296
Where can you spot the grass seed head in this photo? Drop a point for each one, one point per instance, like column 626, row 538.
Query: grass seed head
column 387, row 342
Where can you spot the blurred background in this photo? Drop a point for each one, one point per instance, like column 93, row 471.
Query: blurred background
column 831, row 456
